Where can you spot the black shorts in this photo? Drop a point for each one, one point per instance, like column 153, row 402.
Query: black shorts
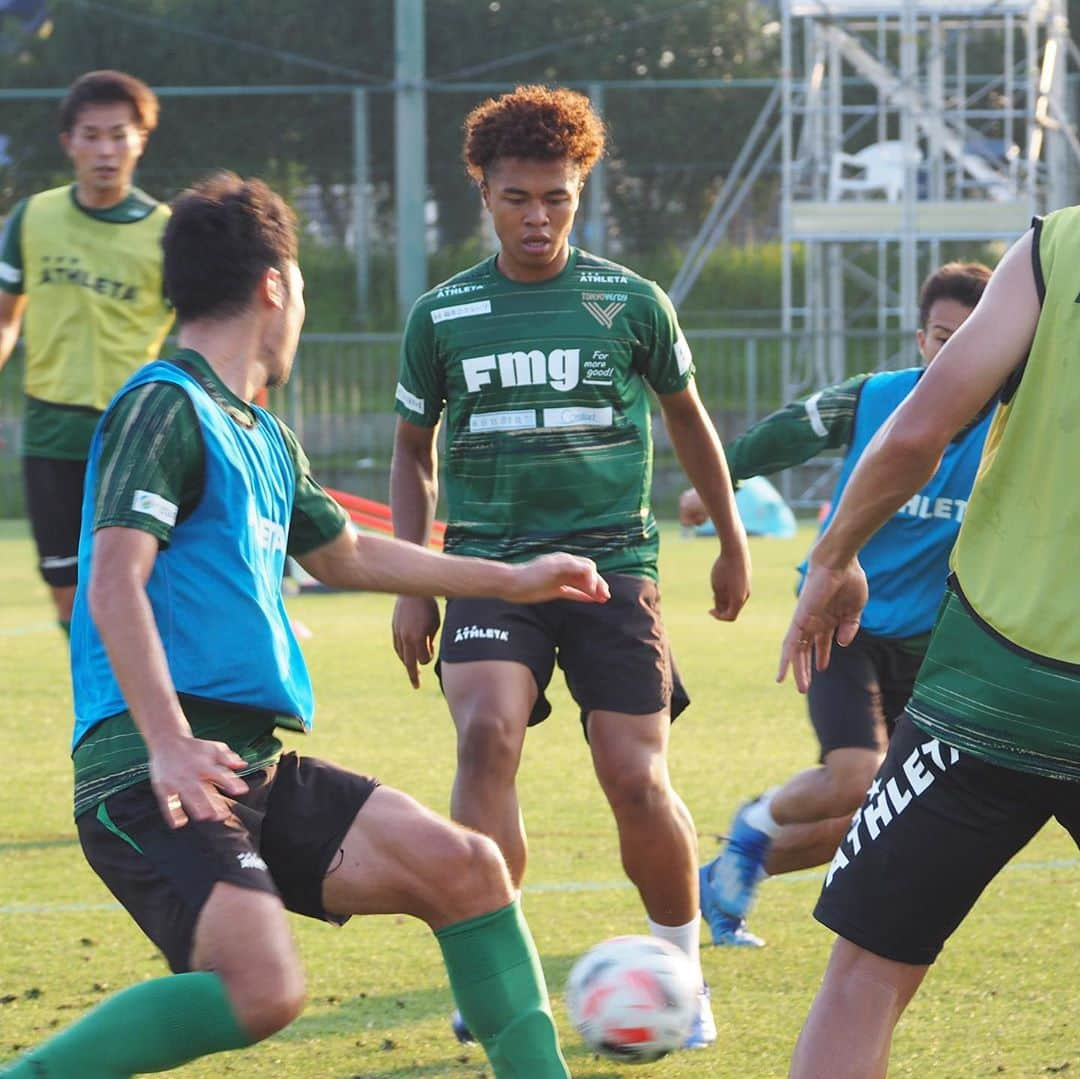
column 282, row 838
column 855, row 702
column 936, row 827
column 54, row 492
column 615, row 655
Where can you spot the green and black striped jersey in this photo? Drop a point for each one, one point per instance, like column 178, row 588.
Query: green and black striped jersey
column 544, row 387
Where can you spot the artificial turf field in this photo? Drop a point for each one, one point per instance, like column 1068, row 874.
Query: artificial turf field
column 999, row 1001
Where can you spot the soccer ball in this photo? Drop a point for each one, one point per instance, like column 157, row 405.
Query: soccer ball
column 633, row 999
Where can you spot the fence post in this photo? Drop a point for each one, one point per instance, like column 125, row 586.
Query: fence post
column 751, row 380
column 360, row 208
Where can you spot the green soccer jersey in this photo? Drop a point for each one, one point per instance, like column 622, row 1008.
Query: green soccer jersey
column 544, row 385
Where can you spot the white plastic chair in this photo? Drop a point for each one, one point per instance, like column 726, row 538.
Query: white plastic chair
column 877, row 167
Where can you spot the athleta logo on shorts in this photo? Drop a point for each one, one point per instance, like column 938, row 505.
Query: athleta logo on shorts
column 250, row 860
column 884, row 804
column 480, row 633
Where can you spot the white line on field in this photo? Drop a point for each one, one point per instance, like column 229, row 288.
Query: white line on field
column 540, row 889
column 23, row 631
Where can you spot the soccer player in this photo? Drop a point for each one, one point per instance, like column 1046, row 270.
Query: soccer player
column 542, row 357
column 82, row 262
column 989, row 748
column 184, row 663
column 855, row 702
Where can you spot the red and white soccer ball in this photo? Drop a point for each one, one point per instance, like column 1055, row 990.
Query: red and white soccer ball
column 633, row 998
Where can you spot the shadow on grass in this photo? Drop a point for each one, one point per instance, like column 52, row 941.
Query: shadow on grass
column 376, row 1021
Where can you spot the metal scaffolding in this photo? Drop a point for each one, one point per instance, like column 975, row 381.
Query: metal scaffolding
column 907, row 125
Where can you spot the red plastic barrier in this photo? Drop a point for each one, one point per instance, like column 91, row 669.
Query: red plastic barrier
column 368, row 513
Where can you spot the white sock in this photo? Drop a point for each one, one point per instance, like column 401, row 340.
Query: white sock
column 759, row 815
column 685, row 937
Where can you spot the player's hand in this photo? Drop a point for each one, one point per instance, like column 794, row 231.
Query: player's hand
column 831, row 602
column 692, row 510
column 557, row 576
column 416, row 621
column 730, row 580
column 188, row 776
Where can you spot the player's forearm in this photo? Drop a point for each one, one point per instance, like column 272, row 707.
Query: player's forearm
column 702, row 457
column 122, row 613
column 779, row 441
column 9, row 338
column 414, row 492
column 372, row 563
column 892, row 469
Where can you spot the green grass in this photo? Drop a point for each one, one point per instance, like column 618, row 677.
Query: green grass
column 998, row 1003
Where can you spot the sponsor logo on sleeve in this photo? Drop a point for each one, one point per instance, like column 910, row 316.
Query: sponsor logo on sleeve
column 683, row 356
column 409, row 400
column 153, row 505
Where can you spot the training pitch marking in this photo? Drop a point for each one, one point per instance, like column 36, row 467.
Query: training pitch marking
column 536, row 889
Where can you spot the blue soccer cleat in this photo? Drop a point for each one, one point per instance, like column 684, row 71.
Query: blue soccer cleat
column 703, row 1030
column 731, row 932
column 728, row 883
column 461, row 1028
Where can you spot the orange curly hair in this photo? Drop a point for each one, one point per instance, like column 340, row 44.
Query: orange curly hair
column 533, row 122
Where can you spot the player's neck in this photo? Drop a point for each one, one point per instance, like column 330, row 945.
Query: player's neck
column 105, row 199
column 231, row 348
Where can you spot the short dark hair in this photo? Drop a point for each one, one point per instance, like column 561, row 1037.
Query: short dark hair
column 960, row 281
column 224, row 234
column 107, row 88
column 534, row 122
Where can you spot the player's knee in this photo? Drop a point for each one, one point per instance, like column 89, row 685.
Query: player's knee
column 635, row 784
column 489, row 744
column 472, row 878
column 849, row 780
column 267, row 998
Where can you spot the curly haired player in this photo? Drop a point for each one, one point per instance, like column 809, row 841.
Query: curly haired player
column 541, row 357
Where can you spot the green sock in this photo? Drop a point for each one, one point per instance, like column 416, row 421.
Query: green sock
column 150, row 1027
column 499, row 986
column 65, row 625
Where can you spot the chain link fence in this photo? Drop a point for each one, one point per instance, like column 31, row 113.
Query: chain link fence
column 340, row 402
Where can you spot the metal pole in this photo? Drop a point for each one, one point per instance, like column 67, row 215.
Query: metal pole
column 361, row 209
column 596, row 193
column 785, row 219
column 908, row 73
column 410, row 151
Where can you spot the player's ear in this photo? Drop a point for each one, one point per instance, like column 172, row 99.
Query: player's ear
column 920, row 338
column 485, row 194
column 273, row 288
column 65, row 143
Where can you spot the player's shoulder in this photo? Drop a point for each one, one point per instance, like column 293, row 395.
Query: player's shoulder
column 50, row 198
column 890, row 387
column 139, row 202
column 594, row 271
column 466, row 286
column 903, row 379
